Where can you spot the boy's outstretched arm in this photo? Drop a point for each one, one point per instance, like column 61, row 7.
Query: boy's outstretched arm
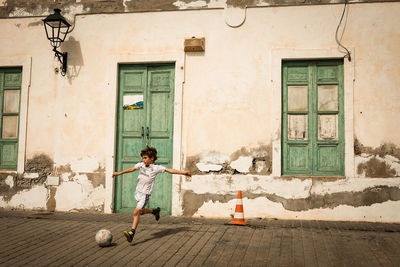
column 173, row 171
column 124, row 171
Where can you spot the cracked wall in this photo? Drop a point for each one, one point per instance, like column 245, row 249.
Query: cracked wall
column 367, row 197
column 266, row 196
column 80, row 186
column 379, row 162
column 372, row 195
column 256, row 160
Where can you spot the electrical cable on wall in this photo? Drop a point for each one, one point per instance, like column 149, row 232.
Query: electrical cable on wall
column 337, row 30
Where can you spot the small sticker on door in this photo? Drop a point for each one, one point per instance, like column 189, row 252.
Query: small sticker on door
column 133, row 102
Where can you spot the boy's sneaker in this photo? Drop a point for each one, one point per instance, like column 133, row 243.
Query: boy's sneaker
column 156, row 213
column 129, row 235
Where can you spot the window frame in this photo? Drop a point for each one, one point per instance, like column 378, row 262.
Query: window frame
column 24, row 62
column 311, row 144
column 4, row 141
column 277, row 55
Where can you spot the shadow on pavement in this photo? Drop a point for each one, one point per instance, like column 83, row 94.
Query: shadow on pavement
column 113, row 244
column 162, row 233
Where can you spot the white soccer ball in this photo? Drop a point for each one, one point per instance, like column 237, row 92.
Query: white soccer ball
column 103, row 238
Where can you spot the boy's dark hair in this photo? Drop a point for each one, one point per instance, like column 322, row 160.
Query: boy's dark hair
column 151, row 152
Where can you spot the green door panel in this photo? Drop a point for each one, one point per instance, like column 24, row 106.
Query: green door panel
column 327, row 158
column 299, row 158
column 297, row 73
column 297, row 147
column 312, row 118
column 9, row 154
column 160, row 120
column 152, row 125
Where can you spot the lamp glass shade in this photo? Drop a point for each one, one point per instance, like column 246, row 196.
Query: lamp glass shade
column 56, row 27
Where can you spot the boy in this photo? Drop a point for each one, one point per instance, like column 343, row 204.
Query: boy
column 147, row 175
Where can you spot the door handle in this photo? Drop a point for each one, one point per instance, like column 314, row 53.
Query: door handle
column 147, row 132
column 142, row 132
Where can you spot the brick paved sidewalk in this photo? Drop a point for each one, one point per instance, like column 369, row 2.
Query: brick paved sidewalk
column 67, row 239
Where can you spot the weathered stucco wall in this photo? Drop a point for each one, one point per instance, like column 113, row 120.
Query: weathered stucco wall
column 271, row 197
column 227, row 108
column 44, row 186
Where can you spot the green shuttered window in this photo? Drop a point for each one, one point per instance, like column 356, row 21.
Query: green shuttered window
column 312, row 118
column 10, row 95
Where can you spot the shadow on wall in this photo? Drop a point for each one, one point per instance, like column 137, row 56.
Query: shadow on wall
column 75, row 59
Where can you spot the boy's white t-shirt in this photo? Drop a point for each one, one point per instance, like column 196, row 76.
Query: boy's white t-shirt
column 147, row 176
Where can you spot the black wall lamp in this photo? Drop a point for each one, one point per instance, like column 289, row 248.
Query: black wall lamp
column 56, row 27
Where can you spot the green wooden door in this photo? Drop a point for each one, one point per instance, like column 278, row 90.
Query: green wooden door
column 312, row 118
column 140, row 124
column 10, row 98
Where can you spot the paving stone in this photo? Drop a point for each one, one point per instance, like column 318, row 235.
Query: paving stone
column 263, row 250
column 67, row 239
column 206, row 250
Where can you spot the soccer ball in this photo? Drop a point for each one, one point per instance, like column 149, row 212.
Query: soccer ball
column 103, row 238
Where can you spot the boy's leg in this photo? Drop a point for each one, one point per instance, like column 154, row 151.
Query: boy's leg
column 136, row 216
column 143, row 210
column 156, row 213
column 142, row 200
column 129, row 234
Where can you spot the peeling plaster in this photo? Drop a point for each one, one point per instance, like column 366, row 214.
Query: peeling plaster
column 51, row 203
column 237, row 3
column 380, row 162
column 28, row 199
column 211, row 161
column 194, row 4
column 376, row 167
column 10, row 181
column 31, row 175
column 37, row 169
column 204, row 167
column 256, row 160
column 351, row 185
column 192, row 202
column 8, row 186
column 242, row 164
column 367, row 197
column 381, row 151
column 264, row 208
column 41, row 164
column 217, row 4
column 84, row 196
column 82, row 186
column 205, row 195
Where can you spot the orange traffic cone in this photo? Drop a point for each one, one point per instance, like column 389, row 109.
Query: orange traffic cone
column 238, row 219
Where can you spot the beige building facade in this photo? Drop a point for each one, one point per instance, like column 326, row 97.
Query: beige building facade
column 232, row 122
